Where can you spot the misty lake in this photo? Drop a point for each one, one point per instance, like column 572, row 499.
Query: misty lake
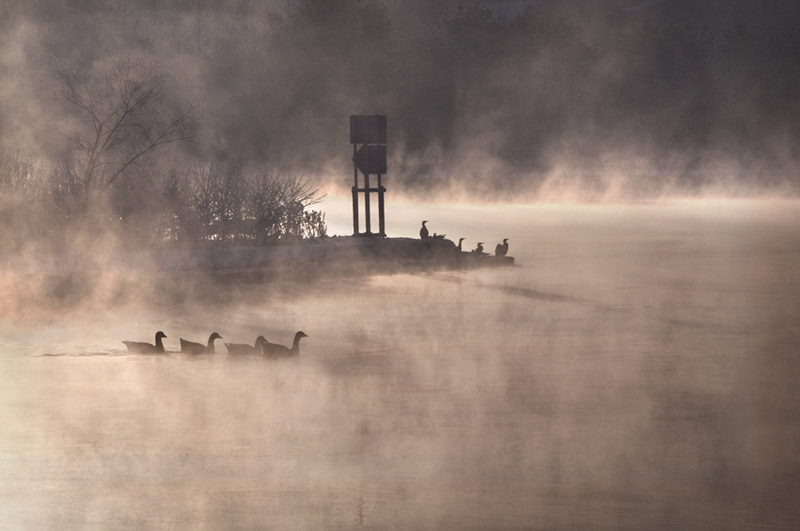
column 639, row 368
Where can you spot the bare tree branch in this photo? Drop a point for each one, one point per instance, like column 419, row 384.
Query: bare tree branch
column 121, row 116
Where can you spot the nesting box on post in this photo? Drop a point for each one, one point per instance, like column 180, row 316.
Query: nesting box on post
column 368, row 132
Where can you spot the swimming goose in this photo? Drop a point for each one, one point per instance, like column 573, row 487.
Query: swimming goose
column 147, row 348
column 241, row 348
column 502, row 248
column 274, row 350
column 198, row 348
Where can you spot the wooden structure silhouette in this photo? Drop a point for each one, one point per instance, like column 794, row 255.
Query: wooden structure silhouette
column 370, row 159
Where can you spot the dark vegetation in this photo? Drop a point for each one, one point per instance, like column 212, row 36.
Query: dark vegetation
column 111, row 180
column 201, row 205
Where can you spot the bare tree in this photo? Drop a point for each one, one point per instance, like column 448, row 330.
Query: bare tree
column 120, row 117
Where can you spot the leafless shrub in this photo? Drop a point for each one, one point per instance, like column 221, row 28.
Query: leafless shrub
column 20, row 178
column 211, row 204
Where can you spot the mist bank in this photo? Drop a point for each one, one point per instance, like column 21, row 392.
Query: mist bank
column 672, row 99
column 637, row 371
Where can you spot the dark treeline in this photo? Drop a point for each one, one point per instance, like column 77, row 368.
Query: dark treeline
column 672, row 98
column 47, row 208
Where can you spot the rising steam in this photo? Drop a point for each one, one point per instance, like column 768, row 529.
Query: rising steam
column 487, row 99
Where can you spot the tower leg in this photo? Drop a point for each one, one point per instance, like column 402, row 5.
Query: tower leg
column 355, row 212
column 355, row 194
column 381, row 219
column 366, row 204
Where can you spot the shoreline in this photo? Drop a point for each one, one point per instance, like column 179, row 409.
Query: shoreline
column 330, row 256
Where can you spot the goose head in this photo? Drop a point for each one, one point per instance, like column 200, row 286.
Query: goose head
column 214, row 336
column 160, row 335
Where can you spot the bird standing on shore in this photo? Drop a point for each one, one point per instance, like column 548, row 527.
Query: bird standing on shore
column 275, row 350
column 198, row 348
column 502, row 248
column 479, row 248
column 459, row 244
column 147, row 348
column 423, row 232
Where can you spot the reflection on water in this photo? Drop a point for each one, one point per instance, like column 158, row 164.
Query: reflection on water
column 637, row 371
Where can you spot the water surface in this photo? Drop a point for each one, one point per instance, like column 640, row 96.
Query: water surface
column 638, row 369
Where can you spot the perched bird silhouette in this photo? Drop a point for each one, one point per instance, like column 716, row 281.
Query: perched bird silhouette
column 240, row 348
column 147, row 348
column 502, row 248
column 274, row 350
column 199, row 348
column 459, row 244
column 479, row 248
column 423, row 232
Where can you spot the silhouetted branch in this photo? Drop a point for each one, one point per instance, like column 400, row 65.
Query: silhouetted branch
column 121, row 116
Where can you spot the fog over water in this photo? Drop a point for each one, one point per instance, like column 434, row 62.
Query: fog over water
column 636, row 369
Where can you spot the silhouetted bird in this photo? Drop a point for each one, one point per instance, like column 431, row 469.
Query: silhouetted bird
column 423, row 232
column 199, row 348
column 479, row 248
column 459, row 244
column 147, row 348
column 239, row 348
column 274, row 350
column 502, row 248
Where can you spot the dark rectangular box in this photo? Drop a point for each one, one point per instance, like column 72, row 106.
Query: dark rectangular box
column 371, row 159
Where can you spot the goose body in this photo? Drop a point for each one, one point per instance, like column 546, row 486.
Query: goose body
column 198, row 348
column 241, row 348
column 280, row 351
column 147, row 348
column 502, row 248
